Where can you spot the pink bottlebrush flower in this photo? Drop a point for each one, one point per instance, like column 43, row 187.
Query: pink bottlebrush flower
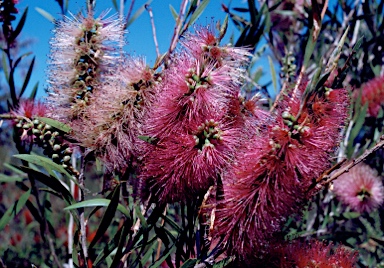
column 115, row 116
column 191, row 91
column 314, row 254
column 205, row 43
column 260, row 191
column 186, row 163
column 270, row 177
column 82, row 49
column 30, row 109
column 360, row 188
column 372, row 93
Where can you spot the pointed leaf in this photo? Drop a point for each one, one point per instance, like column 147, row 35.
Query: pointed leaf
column 27, row 77
column 224, row 263
column 5, row 66
column 14, row 210
column 56, row 124
column 98, row 202
column 45, row 14
column 173, row 12
column 108, row 216
column 273, row 74
column 51, row 182
column 190, row 263
column 144, row 223
column 20, row 25
column 137, row 14
column 46, row 163
column 198, row 11
column 34, row 91
column 6, row 178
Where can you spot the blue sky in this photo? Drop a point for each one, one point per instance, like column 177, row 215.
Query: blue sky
column 139, row 37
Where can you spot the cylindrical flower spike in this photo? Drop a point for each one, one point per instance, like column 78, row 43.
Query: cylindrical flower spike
column 82, row 49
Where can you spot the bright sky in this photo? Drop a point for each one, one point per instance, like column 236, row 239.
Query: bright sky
column 140, row 41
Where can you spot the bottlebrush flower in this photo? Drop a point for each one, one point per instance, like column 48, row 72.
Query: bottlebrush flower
column 83, row 49
column 205, row 43
column 270, row 177
column 28, row 110
column 314, row 254
column 373, row 94
column 186, row 163
column 115, row 116
column 361, row 188
column 192, row 90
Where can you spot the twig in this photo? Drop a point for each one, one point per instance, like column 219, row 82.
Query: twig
column 158, row 239
column 343, row 167
column 129, row 13
column 149, row 9
column 179, row 23
column 52, row 249
column 83, row 235
column 121, row 13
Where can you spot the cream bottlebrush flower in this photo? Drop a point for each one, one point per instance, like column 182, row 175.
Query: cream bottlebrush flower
column 82, row 50
column 115, row 116
column 186, row 163
column 361, row 188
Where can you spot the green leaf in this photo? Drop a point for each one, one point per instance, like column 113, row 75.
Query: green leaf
column 27, row 77
column 137, row 14
column 34, row 91
column 273, row 74
column 141, row 217
column 171, row 222
column 148, row 139
column 351, row 215
column 114, row 2
column 20, row 25
column 148, row 254
column 112, row 245
column 51, row 182
column 173, row 12
column 224, row 262
column 166, row 253
column 47, row 164
column 14, row 210
column 56, row 124
column 199, row 10
column 45, row 14
column 5, row 178
column 223, row 28
column 190, row 263
column 108, row 216
column 5, row 66
column 98, row 202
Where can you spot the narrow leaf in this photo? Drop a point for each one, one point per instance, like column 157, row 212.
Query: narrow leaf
column 141, row 217
column 14, row 210
column 198, row 11
column 5, row 178
column 45, row 14
column 56, row 124
column 273, row 74
column 190, row 263
column 98, row 202
column 108, row 216
column 20, row 25
column 114, row 2
column 34, row 91
column 223, row 263
column 173, row 12
column 137, row 14
column 27, row 77
column 46, row 163
column 5, row 66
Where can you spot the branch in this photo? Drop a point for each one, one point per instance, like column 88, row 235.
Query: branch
column 342, row 167
column 149, row 9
